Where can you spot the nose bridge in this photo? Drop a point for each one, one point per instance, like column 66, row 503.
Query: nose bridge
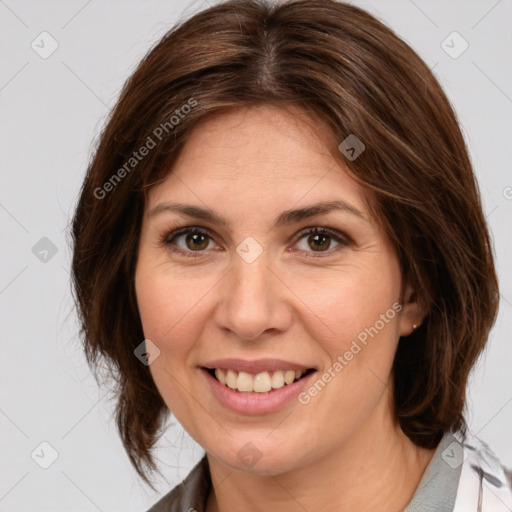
column 252, row 281
column 253, row 299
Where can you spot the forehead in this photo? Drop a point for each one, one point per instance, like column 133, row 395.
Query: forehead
column 260, row 156
column 260, row 136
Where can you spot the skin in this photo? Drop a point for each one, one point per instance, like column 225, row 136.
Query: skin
column 249, row 165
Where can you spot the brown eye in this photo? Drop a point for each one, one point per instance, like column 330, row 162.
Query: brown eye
column 319, row 242
column 197, row 241
column 188, row 241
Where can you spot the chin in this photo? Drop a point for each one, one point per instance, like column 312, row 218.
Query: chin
column 258, row 456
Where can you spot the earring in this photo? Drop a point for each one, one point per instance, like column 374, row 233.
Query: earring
column 414, row 327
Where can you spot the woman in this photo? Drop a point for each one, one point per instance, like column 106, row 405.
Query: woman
column 280, row 240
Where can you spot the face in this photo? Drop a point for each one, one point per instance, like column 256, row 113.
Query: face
column 246, row 277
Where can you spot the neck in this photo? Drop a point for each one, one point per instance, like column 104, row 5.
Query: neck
column 377, row 468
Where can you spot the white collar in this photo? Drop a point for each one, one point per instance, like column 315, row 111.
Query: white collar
column 483, row 484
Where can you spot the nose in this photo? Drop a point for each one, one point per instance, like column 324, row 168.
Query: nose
column 253, row 300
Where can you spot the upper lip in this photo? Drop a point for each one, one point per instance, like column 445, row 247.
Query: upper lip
column 256, row 366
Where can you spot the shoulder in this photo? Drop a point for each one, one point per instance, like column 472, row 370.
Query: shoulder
column 190, row 495
column 485, row 482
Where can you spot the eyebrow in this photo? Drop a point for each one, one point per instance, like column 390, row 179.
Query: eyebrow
column 287, row 217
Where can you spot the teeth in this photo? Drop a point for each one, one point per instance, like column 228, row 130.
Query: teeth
column 261, row 383
column 277, row 380
column 221, row 377
column 289, row 376
column 244, row 382
column 231, row 379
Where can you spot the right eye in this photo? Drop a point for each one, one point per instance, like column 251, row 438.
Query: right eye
column 189, row 241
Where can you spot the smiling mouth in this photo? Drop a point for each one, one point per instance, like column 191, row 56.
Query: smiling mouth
column 263, row 382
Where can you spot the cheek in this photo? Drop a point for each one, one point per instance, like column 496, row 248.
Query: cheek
column 172, row 316
column 170, row 308
column 358, row 315
column 343, row 305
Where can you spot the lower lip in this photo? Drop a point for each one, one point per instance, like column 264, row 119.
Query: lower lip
column 256, row 403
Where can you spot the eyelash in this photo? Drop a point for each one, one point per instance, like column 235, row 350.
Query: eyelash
column 168, row 238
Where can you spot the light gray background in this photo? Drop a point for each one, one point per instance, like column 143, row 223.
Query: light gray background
column 51, row 111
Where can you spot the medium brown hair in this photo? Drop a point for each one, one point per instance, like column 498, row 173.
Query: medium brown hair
column 346, row 68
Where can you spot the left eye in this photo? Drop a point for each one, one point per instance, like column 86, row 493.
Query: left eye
column 319, row 240
column 195, row 241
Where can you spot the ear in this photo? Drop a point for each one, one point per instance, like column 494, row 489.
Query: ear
column 413, row 312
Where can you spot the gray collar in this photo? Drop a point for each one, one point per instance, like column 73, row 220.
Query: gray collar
column 438, row 486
